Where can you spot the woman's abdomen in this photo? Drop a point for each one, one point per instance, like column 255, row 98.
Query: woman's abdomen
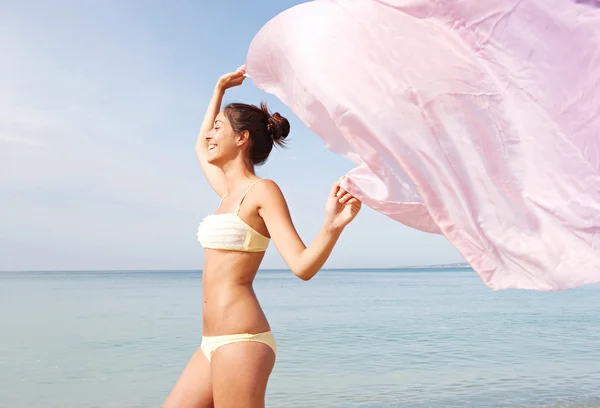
column 230, row 305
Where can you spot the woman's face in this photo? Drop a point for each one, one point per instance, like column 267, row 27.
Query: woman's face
column 223, row 143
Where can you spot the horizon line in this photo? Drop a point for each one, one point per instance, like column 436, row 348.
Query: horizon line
column 433, row 266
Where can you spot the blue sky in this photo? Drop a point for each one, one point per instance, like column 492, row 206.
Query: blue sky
column 99, row 110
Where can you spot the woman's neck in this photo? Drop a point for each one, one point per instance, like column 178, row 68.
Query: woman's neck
column 237, row 174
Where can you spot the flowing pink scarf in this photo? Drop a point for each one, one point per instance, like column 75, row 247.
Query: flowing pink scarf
column 475, row 119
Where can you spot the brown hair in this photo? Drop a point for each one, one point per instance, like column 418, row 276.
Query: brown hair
column 265, row 129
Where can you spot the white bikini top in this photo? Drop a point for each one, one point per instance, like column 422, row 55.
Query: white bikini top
column 229, row 232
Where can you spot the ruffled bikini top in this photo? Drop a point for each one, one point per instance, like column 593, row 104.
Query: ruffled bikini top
column 229, row 232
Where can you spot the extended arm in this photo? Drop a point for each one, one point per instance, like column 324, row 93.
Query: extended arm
column 305, row 261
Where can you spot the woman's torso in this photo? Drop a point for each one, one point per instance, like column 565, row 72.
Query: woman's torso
column 234, row 248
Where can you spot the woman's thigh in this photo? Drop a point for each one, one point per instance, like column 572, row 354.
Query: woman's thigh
column 240, row 372
column 194, row 387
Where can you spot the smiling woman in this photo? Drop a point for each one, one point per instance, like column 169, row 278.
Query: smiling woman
column 232, row 366
column 265, row 128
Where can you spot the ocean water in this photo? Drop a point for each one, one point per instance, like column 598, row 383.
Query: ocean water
column 359, row 338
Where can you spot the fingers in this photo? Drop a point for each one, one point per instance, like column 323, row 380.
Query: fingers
column 233, row 75
column 334, row 187
column 232, row 79
column 345, row 197
column 237, row 81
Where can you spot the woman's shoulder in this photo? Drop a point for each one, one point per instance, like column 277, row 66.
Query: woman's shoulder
column 268, row 191
column 268, row 186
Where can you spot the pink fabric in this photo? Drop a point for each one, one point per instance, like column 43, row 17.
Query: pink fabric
column 479, row 120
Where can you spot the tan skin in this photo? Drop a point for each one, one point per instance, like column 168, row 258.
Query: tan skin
column 238, row 373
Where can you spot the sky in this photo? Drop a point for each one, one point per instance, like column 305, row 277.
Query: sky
column 100, row 105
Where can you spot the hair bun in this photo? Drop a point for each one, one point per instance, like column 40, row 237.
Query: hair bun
column 278, row 128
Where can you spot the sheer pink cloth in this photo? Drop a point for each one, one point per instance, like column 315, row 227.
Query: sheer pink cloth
column 479, row 120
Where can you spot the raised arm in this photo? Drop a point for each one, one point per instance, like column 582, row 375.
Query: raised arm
column 213, row 174
column 305, row 261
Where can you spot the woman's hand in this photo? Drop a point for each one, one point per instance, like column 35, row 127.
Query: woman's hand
column 341, row 207
column 232, row 79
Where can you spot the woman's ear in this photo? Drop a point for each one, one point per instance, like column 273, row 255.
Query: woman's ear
column 243, row 137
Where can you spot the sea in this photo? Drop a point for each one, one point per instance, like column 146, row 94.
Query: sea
column 348, row 338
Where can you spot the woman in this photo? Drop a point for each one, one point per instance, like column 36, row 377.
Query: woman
column 233, row 364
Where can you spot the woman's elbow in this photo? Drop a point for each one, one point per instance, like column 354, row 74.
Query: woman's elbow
column 305, row 275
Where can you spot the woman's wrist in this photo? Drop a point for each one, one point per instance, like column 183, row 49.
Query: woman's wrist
column 219, row 88
column 331, row 228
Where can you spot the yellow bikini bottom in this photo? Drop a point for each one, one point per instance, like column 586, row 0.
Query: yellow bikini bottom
column 211, row 343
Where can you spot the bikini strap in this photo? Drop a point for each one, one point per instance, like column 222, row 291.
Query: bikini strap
column 223, row 198
column 244, row 196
